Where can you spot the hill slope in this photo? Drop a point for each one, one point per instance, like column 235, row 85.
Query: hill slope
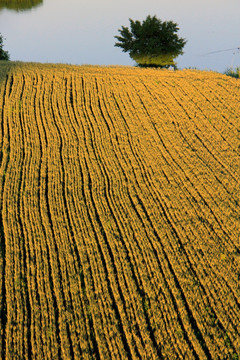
column 120, row 217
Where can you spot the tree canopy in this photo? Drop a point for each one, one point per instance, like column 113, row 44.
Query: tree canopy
column 19, row 5
column 3, row 54
column 151, row 42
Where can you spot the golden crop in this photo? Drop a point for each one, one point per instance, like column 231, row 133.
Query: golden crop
column 120, row 217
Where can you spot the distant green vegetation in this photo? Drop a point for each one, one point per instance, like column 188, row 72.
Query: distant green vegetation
column 4, row 55
column 234, row 73
column 19, row 5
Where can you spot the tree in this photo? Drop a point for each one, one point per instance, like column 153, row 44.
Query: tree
column 152, row 43
column 19, row 5
column 3, row 54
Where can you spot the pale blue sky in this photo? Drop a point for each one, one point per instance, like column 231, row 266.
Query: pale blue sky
column 82, row 31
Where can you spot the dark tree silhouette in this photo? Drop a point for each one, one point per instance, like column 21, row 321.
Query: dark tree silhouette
column 3, row 54
column 152, row 42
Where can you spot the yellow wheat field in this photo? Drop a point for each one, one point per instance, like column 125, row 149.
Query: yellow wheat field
column 119, row 213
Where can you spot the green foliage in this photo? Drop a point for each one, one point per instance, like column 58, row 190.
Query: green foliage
column 234, row 73
column 163, row 60
column 19, row 5
column 3, row 54
column 152, row 42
